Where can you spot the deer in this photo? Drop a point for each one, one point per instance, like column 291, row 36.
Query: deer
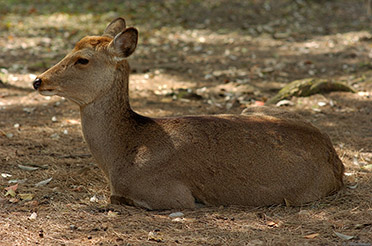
column 261, row 157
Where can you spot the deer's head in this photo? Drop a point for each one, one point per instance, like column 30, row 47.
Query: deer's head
column 88, row 71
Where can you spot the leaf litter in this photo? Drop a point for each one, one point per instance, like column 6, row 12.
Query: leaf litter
column 255, row 47
column 43, row 182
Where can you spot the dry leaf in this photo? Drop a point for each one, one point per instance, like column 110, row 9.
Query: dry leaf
column 259, row 103
column 352, row 186
column 32, row 203
column 367, row 167
column 73, row 122
column 44, row 182
column 13, row 187
column 19, row 181
column 272, row 224
column 154, row 236
column 26, row 196
column 361, row 226
column 11, row 190
column 27, row 168
column 10, row 193
column 13, row 200
column 343, row 236
column 112, row 214
column 287, row 203
column 311, row 236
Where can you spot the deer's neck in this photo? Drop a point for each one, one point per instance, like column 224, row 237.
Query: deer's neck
column 109, row 126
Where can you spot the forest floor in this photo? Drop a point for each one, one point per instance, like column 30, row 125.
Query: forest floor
column 193, row 57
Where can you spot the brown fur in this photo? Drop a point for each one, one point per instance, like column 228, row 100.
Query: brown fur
column 261, row 157
column 94, row 42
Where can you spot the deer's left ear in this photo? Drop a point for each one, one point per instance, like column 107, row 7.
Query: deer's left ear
column 115, row 27
column 124, row 43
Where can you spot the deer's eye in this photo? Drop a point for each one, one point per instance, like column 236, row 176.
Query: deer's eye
column 82, row 61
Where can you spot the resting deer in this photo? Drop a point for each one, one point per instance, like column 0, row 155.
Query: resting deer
column 262, row 157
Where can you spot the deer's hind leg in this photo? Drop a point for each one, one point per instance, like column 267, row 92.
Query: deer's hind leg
column 166, row 195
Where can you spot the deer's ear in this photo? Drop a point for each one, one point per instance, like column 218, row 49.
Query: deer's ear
column 115, row 27
column 125, row 42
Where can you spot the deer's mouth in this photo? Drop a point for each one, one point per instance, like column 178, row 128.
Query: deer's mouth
column 47, row 92
column 42, row 88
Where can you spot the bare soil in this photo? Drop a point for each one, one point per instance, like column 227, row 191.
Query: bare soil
column 194, row 57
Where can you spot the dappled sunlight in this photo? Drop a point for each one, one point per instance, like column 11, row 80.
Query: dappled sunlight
column 35, row 24
column 193, row 57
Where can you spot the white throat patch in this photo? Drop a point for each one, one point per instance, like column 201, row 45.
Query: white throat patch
column 118, row 59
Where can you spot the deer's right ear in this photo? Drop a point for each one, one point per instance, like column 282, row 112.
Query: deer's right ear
column 115, row 27
column 124, row 43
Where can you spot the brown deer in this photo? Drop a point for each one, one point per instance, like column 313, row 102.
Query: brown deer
column 261, row 157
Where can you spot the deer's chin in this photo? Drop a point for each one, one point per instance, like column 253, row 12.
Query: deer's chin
column 48, row 92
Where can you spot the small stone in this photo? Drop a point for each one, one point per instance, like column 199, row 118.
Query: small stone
column 93, row 199
column 233, row 58
column 16, row 125
column 198, row 48
column 176, row 214
column 54, row 119
column 311, row 72
column 6, row 175
column 304, row 212
column 73, row 227
column 33, row 216
column 322, row 104
column 284, row 103
column 317, row 110
column 29, row 110
column 208, row 76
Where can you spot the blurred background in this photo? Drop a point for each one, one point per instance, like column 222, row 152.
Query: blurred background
column 248, row 42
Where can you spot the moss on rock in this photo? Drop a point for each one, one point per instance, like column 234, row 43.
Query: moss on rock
column 308, row 87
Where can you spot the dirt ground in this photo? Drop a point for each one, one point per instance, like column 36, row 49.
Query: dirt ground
column 193, row 57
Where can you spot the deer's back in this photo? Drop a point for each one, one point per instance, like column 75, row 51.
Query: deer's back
column 245, row 159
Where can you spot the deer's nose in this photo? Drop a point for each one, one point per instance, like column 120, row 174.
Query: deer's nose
column 37, row 83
